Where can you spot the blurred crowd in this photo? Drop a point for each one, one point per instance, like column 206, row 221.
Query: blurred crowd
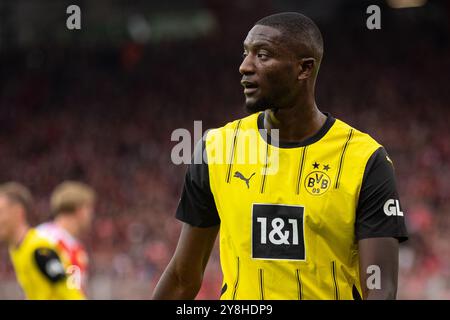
column 105, row 117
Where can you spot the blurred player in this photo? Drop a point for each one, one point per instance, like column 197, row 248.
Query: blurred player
column 72, row 206
column 38, row 266
column 322, row 222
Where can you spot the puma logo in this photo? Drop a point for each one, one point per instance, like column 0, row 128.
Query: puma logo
column 239, row 175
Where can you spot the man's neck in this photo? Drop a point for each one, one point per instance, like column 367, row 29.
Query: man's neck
column 295, row 124
column 19, row 235
column 68, row 224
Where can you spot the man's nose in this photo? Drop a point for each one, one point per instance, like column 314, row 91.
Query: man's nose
column 247, row 66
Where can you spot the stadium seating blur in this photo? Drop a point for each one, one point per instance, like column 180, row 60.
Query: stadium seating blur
column 105, row 116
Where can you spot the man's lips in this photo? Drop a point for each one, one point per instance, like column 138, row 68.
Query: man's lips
column 249, row 86
column 248, row 91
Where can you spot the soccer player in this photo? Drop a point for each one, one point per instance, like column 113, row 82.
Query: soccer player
column 37, row 263
column 72, row 206
column 322, row 220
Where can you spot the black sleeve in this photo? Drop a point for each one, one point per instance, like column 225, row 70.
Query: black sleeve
column 379, row 213
column 49, row 264
column 197, row 206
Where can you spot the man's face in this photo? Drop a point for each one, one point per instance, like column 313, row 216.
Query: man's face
column 269, row 70
column 8, row 218
column 85, row 214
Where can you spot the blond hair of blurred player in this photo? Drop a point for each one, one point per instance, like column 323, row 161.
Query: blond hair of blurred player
column 72, row 206
column 37, row 263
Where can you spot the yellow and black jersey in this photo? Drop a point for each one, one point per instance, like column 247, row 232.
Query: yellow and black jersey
column 291, row 214
column 40, row 271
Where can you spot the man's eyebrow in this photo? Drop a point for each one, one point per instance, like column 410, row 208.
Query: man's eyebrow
column 260, row 43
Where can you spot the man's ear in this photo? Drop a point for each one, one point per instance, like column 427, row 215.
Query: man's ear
column 306, row 68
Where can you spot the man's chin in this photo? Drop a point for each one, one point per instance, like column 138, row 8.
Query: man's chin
column 255, row 106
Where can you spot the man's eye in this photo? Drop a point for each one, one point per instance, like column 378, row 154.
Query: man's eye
column 262, row 55
column 245, row 54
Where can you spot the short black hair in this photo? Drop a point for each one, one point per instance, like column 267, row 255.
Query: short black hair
column 302, row 31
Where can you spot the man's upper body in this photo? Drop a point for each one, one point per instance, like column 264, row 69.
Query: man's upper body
column 290, row 220
column 71, row 250
column 72, row 206
column 306, row 206
column 40, row 270
column 37, row 263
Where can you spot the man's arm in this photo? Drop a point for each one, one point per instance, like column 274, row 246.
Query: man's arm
column 382, row 253
column 51, row 267
column 197, row 210
column 183, row 276
column 380, row 226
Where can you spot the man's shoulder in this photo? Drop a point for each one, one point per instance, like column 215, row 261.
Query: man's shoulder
column 57, row 234
column 244, row 123
column 38, row 239
column 49, row 231
column 356, row 136
column 32, row 242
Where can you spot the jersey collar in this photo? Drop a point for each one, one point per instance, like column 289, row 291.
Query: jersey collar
column 295, row 144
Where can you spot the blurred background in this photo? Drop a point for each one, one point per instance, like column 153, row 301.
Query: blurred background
column 99, row 105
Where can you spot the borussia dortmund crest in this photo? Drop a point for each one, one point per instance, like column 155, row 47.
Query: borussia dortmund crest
column 318, row 182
